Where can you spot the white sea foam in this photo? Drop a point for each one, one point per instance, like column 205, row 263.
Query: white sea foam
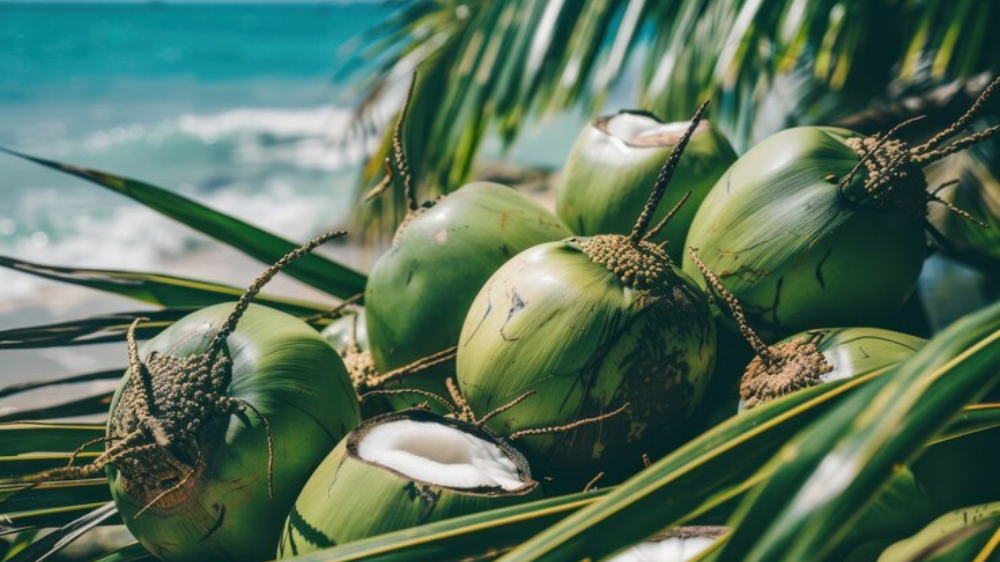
column 285, row 170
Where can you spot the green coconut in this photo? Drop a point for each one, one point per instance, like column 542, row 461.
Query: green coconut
column 819, row 356
column 606, row 179
column 809, row 358
column 419, row 291
column 401, row 470
column 798, row 224
column 590, row 326
column 443, row 251
column 218, row 424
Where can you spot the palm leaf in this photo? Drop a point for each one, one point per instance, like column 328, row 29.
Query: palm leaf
column 88, row 405
column 17, row 388
column 96, row 329
column 488, row 67
column 133, row 552
column 314, row 269
column 826, row 476
column 55, row 541
column 963, row 534
column 154, row 288
column 723, row 460
column 481, row 536
column 34, row 437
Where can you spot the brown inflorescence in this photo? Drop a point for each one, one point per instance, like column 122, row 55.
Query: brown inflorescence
column 641, row 265
column 793, row 366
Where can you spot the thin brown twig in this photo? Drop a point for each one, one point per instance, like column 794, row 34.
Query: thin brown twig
column 567, row 427
column 758, row 345
column 663, row 178
column 663, row 222
column 501, row 409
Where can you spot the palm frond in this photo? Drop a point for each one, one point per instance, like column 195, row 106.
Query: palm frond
column 318, row 271
column 487, row 67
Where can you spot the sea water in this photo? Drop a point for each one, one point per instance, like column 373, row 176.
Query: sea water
column 240, row 106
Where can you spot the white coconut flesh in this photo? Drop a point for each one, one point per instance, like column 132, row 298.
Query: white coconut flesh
column 673, row 549
column 439, row 454
column 643, row 130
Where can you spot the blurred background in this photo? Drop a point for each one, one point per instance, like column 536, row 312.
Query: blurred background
column 275, row 112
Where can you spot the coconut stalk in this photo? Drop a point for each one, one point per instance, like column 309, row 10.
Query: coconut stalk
column 418, row 292
column 796, row 223
column 590, row 325
column 400, row 470
column 606, row 179
column 216, row 426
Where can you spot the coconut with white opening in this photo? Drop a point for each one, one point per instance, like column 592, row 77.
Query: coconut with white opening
column 400, row 470
column 616, row 158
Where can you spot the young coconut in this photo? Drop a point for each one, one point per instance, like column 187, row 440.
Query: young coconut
column 419, row 291
column 616, row 158
column 811, row 357
column 796, row 226
column 400, row 470
column 590, row 325
column 217, row 425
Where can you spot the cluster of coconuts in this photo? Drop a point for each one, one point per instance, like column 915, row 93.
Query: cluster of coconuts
column 580, row 348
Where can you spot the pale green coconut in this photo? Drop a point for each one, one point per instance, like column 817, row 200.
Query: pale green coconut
column 590, row 325
column 606, row 179
column 819, row 356
column 401, row 470
column 419, row 291
column 801, row 223
column 218, row 424
column 809, row 358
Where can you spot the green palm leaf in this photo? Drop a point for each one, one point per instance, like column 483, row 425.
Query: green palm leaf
column 728, row 458
column 130, row 553
column 17, row 388
column 96, row 329
column 826, row 476
column 489, row 67
column 314, row 269
column 33, row 437
column 55, row 541
column 155, row 288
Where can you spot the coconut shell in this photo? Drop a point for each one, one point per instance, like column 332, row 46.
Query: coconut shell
column 349, row 498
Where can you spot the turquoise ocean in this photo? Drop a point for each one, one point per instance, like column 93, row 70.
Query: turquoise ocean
column 237, row 105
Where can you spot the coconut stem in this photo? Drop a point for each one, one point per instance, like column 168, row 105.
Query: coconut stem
column 336, row 311
column 415, row 367
column 464, row 409
column 663, row 178
column 961, row 144
column 501, row 409
column 567, row 427
column 962, row 121
column 955, row 209
column 762, row 349
column 241, row 306
column 417, row 391
column 399, row 151
column 593, row 481
column 659, row 226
